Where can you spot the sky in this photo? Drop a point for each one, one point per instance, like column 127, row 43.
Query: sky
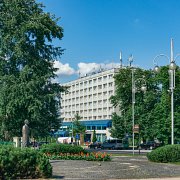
column 95, row 31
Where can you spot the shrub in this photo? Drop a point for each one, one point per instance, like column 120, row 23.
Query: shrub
column 61, row 148
column 69, row 152
column 95, row 156
column 23, row 163
column 169, row 153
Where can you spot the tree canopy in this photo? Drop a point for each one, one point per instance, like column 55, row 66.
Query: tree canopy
column 26, row 68
column 78, row 127
column 152, row 109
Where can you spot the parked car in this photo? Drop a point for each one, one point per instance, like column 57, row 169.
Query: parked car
column 112, row 144
column 95, row 145
column 149, row 145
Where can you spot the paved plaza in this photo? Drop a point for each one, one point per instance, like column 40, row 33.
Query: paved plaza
column 137, row 167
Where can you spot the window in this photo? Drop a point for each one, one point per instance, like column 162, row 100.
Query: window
column 110, row 92
column 104, row 93
column 110, row 84
column 88, row 127
column 100, row 79
column 100, row 87
column 99, row 128
column 104, row 77
column 104, row 85
column 110, row 76
column 103, row 127
column 93, row 127
column 105, row 101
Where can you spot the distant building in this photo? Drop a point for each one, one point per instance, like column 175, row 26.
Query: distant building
column 89, row 97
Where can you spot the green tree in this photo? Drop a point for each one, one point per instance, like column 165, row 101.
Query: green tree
column 26, row 68
column 152, row 109
column 122, row 100
column 118, row 129
column 78, row 127
column 94, row 137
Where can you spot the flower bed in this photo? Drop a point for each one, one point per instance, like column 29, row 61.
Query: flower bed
column 94, row 156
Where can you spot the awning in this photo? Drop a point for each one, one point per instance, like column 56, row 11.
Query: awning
column 107, row 123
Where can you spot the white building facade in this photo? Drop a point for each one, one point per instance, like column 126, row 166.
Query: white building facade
column 89, row 97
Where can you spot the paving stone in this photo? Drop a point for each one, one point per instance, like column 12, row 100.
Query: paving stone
column 119, row 168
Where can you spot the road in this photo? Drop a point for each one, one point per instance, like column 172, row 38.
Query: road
column 143, row 152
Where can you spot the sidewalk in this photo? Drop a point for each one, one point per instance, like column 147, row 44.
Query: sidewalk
column 132, row 168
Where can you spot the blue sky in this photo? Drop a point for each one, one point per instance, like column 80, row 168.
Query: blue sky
column 95, row 31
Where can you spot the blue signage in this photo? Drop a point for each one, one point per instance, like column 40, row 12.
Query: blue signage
column 78, row 136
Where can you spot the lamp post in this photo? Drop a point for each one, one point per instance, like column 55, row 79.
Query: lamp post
column 172, row 68
column 143, row 89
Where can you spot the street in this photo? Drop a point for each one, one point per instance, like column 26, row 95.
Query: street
column 130, row 151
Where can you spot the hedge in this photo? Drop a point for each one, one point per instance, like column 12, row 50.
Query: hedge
column 165, row 154
column 23, row 163
column 55, row 148
column 68, row 152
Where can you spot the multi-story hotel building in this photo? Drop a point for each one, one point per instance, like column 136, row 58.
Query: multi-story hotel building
column 89, row 96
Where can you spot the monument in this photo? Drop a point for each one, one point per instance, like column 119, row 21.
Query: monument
column 25, row 134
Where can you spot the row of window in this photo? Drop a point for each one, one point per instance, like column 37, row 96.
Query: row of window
column 75, row 103
column 99, row 87
column 95, row 127
column 95, row 95
column 110, row 76
column 91, row 117
column 90, row 110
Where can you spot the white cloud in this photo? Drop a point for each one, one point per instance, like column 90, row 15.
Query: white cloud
column 63, row 69
column 86, row 68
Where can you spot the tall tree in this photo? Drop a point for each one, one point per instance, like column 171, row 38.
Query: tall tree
column 26, row 68
column 152, row 109
column 78, row 127
column 94, row 139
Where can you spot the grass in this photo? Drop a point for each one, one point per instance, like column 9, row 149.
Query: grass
column 176, row 163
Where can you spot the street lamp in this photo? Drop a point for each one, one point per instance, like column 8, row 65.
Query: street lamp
column 143, row 89
column 172, row 68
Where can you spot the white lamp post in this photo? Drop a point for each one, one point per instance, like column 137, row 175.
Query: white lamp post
column 172, row 67
column 143, row 89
